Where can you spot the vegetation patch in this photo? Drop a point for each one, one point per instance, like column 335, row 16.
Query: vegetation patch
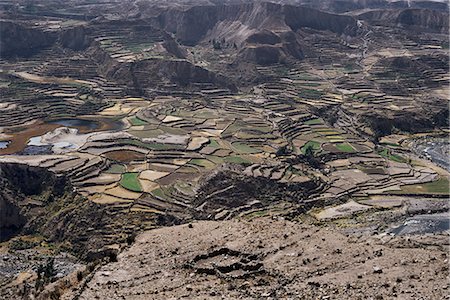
column 345, row 147
column 159, row 193
column 391, row 156
column 313, row 122
column 244, row 148
column 236, row 160
column 308, row 93
column 130, row 182
column 313, row 145
column 135, row 121
column 202, row 163
column 257, row 214
column 440, row 186
column 213, row 143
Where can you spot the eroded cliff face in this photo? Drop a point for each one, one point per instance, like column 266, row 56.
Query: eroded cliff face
column 424, row 18
column 236, row 23
column 23, row 190
column 18, row 40
column 266, row 47
column 264, row 33
column 414, row 18
column 299, row 17
column 425, row 119
column 75, row 38
column 35, row 201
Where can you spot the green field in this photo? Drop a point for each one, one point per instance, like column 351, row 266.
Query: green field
column 130, row 182
column 213, row 143
column 135, row 121
column 313, row 122
column 159, row 193
column 202, row 163
column 345, row 147
column 394, row 157
column 440, row 186
column 237, row 160
column 243, row 148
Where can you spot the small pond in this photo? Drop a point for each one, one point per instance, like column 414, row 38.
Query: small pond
column 4, row 144
column 422, row 224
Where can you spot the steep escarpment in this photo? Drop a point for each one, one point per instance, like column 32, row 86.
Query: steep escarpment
column 236, row 23
column 266, row 47
column 264, row 33
column 35, row 201
column 422, row 19
column 18, row 40
column 75, row 38
column 423, row 120
column 153, row 73
column 298, row 17
column 23, row 190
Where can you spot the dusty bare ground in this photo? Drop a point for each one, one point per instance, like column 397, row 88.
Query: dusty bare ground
column 273, row 259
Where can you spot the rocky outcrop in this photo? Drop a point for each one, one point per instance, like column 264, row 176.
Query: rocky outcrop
column 19, row 183
column 269, row 258
column 75, row 38
column 230, row 192
column 174, row 48
column 18, row 40
column 264, row 37
column 423, row 120
column 266, row 47
column 35, row 201
column 263, row 54
column 11, row 220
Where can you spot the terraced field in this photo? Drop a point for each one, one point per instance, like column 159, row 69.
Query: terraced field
column 168, row 141
column 158, row 113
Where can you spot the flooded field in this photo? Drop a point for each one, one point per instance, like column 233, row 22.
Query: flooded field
column 21, row 136
column 422, row 224
column 437, row 150
column 4, row 144
column 77, row 123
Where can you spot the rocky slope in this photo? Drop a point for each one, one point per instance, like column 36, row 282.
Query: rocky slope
column 18, row 40
column 22, row 189
column 264, row 32
column 419, row 19
column 36, row 201
column 271, row 259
